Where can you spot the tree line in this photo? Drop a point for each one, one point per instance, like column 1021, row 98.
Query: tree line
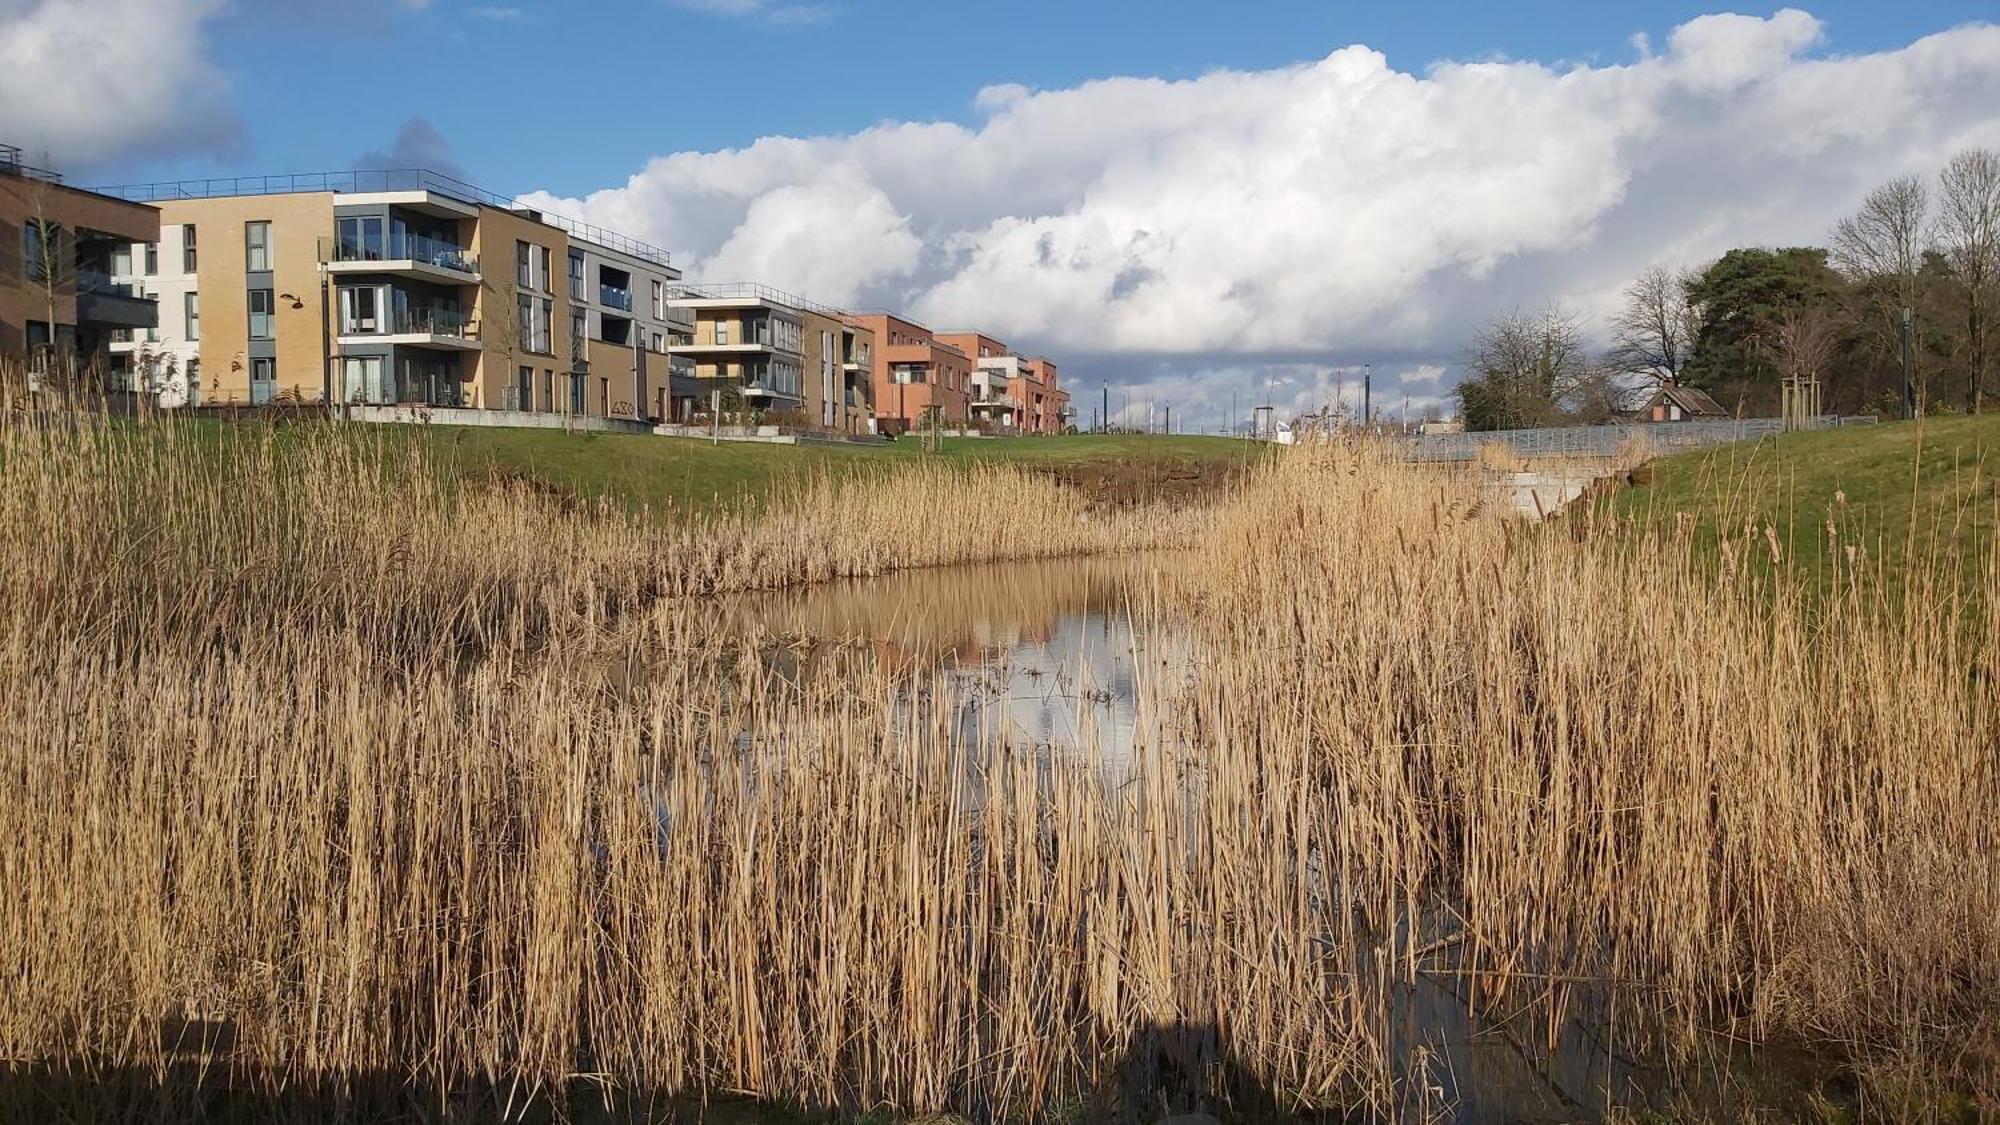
column 1922, row 250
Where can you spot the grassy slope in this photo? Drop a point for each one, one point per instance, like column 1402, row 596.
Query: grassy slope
column 1897, row 485
column 677, row 474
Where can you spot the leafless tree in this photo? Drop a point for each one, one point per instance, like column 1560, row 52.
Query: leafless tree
column 1530, row 366
column 1883, row 243
column 1807, row 340
column 1653, row 335
column 1969, row 235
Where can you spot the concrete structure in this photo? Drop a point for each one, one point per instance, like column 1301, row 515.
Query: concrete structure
column 60, row 305
column 914, row 371
column 399, row 287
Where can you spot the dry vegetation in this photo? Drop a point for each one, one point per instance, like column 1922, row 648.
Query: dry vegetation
column 322, row 774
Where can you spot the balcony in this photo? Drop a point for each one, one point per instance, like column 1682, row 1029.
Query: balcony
column 612, row 297
column 100, row 301
column 423, row 328
column 417, row 256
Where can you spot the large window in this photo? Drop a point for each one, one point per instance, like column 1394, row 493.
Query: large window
column 191, row 317
column 659, row 301
column 360, row 309
column 361, row 377
column 260, row 314
column 257, row 247
column 545, row 276
column 576, row 290
column 263, row 380
column 121, row 260
column 722, row 332
column 524, row 389
column 152, row 259
column 579, row 333
column 524, row 265
column 187, row 249
column 907, row 373
column 38, row 244
column 545, row 311
column 526, row 313
column 358, row 238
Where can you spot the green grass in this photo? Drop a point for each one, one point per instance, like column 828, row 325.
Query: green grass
column 678, row 474
column 1898, row 490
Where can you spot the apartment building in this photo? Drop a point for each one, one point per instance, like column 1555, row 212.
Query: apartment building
column 60, row 306
column 1011, row 393
column 913, row 371
column 400, row 287
column 767, row 350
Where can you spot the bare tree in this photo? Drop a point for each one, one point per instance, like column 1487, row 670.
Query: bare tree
column 1884, row 243
column 1653, row 335
column 1969, row 236
column 1530, row 367
column 1807, row 339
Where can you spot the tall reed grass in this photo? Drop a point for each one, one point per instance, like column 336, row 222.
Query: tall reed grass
column 323, row 771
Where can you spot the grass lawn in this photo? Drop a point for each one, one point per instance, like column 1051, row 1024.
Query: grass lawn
column 1921, row 486
column 679, row 475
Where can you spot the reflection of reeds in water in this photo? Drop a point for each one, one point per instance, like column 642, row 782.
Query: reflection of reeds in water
column 402, row 783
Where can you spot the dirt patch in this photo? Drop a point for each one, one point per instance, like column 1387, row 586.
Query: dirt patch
column 1179, row 481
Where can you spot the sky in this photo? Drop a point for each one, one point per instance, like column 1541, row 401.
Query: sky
column 1196, row 203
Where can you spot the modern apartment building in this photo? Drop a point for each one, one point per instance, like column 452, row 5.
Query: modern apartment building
column 399, row 287
column 767, row 350
column 60, row 306
column 1010, row 393
column 913, row 371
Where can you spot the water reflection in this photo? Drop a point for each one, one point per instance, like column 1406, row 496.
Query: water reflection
column 1062, row 654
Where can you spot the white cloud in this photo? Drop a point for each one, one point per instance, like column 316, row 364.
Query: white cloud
column 1335, row 211
column 83, row 80
column 779, row 14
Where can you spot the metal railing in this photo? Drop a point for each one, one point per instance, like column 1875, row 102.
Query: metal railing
column 409, row 322
column 611, row 296
column 745, row 291
column 12, row 164
column 388, row 179
column 1602, row 441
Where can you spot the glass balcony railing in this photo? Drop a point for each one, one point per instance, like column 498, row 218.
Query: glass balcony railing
column 409, row 247
column 612, row 297
column 435, row 322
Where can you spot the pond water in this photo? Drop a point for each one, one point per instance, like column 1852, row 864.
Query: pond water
column 1055, row 655
column 1081, row 654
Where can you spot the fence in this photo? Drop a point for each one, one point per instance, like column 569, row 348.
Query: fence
column 1603, row 441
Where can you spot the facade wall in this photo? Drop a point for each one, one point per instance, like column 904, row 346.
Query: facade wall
column 947, row 372
column 651, row 318
column 224, row 350
column 497, row 380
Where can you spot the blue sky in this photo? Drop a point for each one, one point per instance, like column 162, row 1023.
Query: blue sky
column 1187, row 201
column 317, row 85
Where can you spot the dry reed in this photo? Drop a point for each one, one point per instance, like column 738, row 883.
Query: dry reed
column 407, row 783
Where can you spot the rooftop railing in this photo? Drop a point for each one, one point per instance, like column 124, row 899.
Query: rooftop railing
column 12, row 164
column 389, row 179
column 745, row 291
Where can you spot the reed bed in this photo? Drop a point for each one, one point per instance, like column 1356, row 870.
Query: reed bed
column 326, row 774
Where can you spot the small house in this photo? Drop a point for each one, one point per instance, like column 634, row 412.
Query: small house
column 1675, row 403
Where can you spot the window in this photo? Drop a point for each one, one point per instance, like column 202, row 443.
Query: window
column 35, row 250
column 257, row 247
column 358, row 238
column 545, row 311
column 526, row 313
column 524, row 266
column 656, row 342
column 121, row 260
column 263, row 380
column 524, row 389
column 545, row 277
column 260, row 314
column 722, row 332
column 187, row 249
column 152, row 259
column 191, row 317
column 579, row 331
column 361, row 377
column 659, row 304
column 194, row 382
column 576, row 274
column 360, row 309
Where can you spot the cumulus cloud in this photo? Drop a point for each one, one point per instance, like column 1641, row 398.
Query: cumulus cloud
column 418, row 144
column 82, row 81
column 1335, row 212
